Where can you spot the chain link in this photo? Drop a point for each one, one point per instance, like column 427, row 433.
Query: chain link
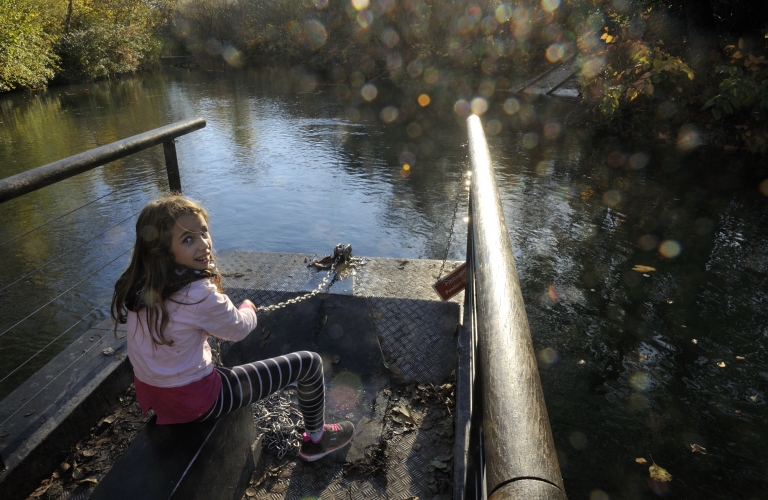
column 279, row 420
column 295, row 300
column 461, row 188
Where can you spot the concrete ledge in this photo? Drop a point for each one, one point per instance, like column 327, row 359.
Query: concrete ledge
column 197, row 461
column 50, row 412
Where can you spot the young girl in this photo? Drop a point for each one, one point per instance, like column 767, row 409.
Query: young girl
column 171, row 299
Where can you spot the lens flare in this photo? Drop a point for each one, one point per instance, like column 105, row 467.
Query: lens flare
column 638, row 161
column 552, row 130
column 493, row 127
column 670, row 248
column 613, row 198
column 511, row 106
column 550, row 5
column 431, row 75
column 389, row 37
column 360, row 4
column 461, row 107
column 647, row 242
column 578, row 440
column 315, row 35
column 689, row 138
column 763, row 187
column 413, row 130
column 364, row 18
column 640, row 381
column 530, row 140
column 479, row 106
column 555, row 52
column 545, row 168
column 232, row 56
column 548, row 356
column 389, row 114
column 503, row 13
column 394, row 61
column 369, row 92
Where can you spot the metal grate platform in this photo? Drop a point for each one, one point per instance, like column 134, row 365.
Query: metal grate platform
column 416, row 334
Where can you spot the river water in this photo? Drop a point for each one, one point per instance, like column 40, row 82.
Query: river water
column 634, row 363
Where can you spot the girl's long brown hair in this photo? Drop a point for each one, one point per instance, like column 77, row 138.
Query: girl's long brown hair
column 152, row 263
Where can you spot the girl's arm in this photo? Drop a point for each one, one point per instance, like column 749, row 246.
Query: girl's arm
column 217, row 315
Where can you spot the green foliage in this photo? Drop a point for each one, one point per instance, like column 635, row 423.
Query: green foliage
column 743, row 88
column 27, row 56
column 110, row 37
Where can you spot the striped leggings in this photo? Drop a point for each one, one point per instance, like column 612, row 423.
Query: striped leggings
column 245, row 384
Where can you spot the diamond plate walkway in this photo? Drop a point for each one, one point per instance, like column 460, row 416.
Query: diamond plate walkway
column 386, row 337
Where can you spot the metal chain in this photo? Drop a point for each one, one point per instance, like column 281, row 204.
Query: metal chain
column 274, row 307
column 279, row 420
column 453, row 221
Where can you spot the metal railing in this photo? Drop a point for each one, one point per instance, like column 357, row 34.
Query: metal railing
column 31, row 180
column 508, row 450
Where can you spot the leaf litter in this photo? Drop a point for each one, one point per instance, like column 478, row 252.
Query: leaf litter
column 86, row 463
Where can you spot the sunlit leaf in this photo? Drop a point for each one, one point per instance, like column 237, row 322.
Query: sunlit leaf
column 641, row 460
column 695, row 341
column 721, row 364
column 698, row 449
column 753, row 398
column 741, row 358
column 605, row 35
column 643, row 269
column 659, row 474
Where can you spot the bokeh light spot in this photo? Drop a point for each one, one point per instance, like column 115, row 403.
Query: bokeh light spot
column 389, row 114
column 640, row 381
column 343, row 393
column 360, row 4
column 548, row 356
column 638, row 161
column 613, row 198
column 406, row 167
column 530, row 140
column 493, row 127
column 415, row 68
column 511, row 106
column 315, row 34
column 431, row 75
column 364, row 18
column 424, row 100
column 232, row 56
column 503, row 12
column 552, row 130
column 369, row 92
column 389, row 37
column 648, row 242
column 550, row 5
column 407, row 158
column 479, row 106
column 413, row 130
column 555, row 52
column 353, row 115
column 689, row 138
column 578, row 440
column 764, row 187
column 638, row 401
column 598, row 495
column 670, row 248
column 461, row 107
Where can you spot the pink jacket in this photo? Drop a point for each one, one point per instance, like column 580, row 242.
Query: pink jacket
column 203, row 312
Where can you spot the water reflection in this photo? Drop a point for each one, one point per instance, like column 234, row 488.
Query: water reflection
column 643, row 269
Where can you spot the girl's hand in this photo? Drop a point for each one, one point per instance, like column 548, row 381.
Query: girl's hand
column 247, row 303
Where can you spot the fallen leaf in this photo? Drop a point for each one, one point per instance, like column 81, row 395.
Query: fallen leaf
column 753, row 398
column 109, row 351
column 670, row 301
column 695, row 341
column 659, row 474
column 642, row 357
column 643, row 269
column 30, row 413
column 698, row 449
column 737, row 412
column 741, row 357
column 721, row 364
column 641, row 460
column 88, row 453
column 581, row 362
column 90, row 480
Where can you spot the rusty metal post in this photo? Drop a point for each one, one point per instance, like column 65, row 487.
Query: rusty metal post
column 172, row 166
column 520, row 457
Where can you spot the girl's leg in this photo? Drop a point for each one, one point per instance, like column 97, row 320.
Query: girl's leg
column 245, row 384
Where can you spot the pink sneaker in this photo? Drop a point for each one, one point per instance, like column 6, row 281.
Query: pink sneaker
column 335, row 436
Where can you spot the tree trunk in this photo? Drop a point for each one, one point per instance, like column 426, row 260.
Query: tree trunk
column 69, row 17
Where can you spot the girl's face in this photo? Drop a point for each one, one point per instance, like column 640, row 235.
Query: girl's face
column 190, row 242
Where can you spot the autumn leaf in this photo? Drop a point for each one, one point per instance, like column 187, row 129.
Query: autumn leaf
column 742, row 358
column 698, row 449
column 659, row 474
column 643, row 269
column 721, row 364
column 641, row 460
